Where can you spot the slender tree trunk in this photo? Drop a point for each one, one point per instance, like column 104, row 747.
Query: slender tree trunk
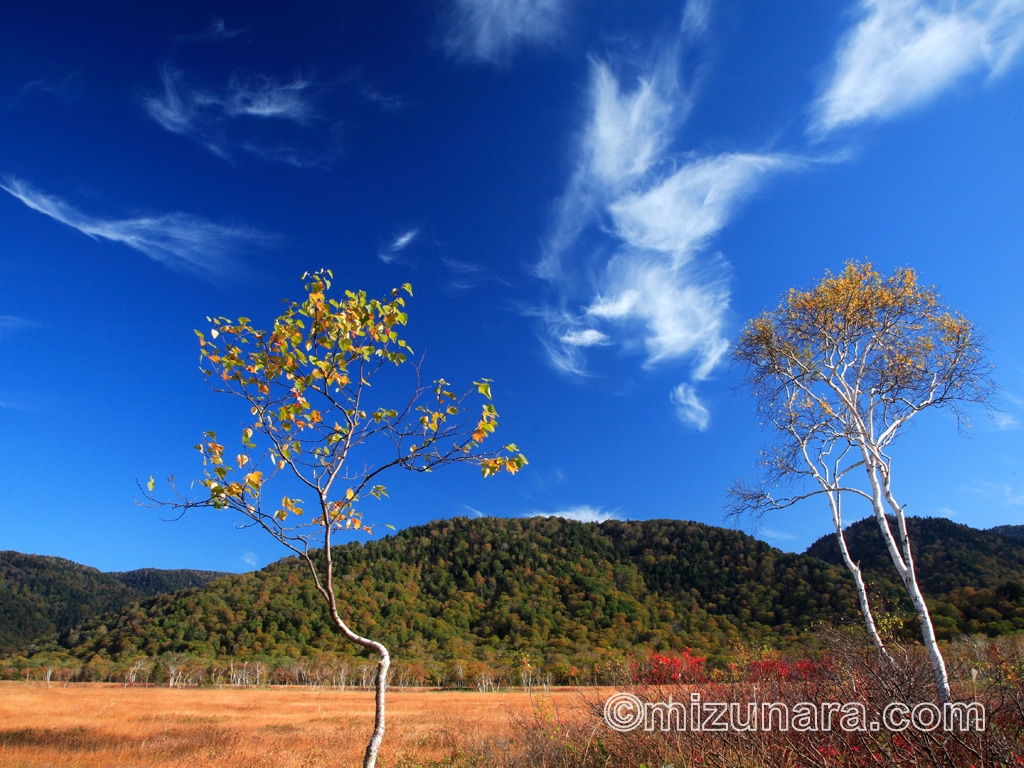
column 903, row 560
column 862, row 592
column 381, row 685
column 326, row 588
column 909, row 577
column 835, row 502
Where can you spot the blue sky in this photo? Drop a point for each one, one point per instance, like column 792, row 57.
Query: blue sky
column 589, row 199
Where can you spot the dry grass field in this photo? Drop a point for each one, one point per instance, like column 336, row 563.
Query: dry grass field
column 92, row 725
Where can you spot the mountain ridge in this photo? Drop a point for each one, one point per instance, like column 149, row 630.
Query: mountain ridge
column 473, row 588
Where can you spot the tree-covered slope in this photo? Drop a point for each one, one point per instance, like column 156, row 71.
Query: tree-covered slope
column 149, row 582
column 947, row 555
column 973, row 579
column 1013, row 531
column 467, row 588
column 464, row 589
column 42, row 596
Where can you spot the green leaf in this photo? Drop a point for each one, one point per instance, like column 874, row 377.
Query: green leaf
column 151, row 484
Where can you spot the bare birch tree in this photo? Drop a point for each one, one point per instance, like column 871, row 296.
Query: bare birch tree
column 838, row 371
column 318, row 427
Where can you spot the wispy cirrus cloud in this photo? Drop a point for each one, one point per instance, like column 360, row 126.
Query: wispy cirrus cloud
column 689, row 409
column 582, row 513
column 178, row 240
column 491, row 30
column 388, row 252
column 66, row 88
column 1009, row 495
column 1005, row 421
column 273, row 119
column 217, row 30
column 775, row 535
column 250, row 559
column 10, row 323
column 627, row 255
column 903, row 53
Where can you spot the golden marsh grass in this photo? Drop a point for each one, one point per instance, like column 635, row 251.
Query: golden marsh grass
column 90, row 725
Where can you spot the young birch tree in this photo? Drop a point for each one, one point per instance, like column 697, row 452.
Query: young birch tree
column 317, row 426
column 838, row 371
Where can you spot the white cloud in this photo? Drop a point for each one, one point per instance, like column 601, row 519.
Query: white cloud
column 12, row 323
column 690, row 410
column 66, row 89
column 654, row 212
column 1010, row 496
column 903, row 53
column 680, row 309
column 1005, row 421
column 175, row 239
column 216, row 31
column 585, row 338
column 628, row 132
column 490, row 30
column 775, row 535
column 677, row 215
column 696, row 18
column 399, row 243
column 581, row 514
column 250, row 559
column 217, row 119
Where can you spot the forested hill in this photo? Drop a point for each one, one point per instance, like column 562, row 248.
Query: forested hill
column 947, row 555
column 1013, row 531
column 490, row 588
column 973, row 579
column 475, row 588
column 150, row 582
column 42, row 596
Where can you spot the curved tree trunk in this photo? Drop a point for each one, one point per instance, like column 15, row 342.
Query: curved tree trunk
column 326, row 588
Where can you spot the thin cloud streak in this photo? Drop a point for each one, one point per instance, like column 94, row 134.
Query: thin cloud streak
column 66, row 89
column 903, row 53
column 389, row 253
column 491, row 30
column 689, row 408
column 12, row 405
column 581, row 514
column 12, row 323
column 774, row 535
column 1010, row 496
column 216, row 31
column 250, row 559
column 178, row 240
column 206, row 115
column 586, row 338
column 1005, row 421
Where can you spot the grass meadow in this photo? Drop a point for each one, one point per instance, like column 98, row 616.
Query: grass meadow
column 89, row 725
